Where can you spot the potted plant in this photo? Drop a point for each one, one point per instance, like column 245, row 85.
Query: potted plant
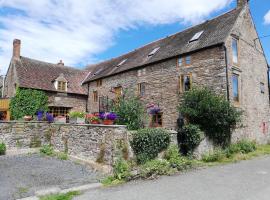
column 77, row 117
column 108, row 118
column 40, row 115
column 49, row 118
column 92, row 118
column 60, row 119
column 27, row 118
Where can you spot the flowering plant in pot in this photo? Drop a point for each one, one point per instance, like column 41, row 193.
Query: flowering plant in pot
column 93, row 118
column 27, row 117
column 154, row 110
column 77, row 117
column 40, row 115
column 108, row 118
column 49, row 118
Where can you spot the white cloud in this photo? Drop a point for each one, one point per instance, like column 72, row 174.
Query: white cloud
column 76, row 31
column 267, row 18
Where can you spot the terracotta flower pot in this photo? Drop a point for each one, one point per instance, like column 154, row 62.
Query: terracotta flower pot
column 27, row 118
column 94, row 122
column 107, row 122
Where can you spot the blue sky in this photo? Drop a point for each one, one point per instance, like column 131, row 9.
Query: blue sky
column 83, row 32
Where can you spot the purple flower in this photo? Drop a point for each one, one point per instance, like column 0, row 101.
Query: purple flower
column 102, row 115
column 40, row 115
column 49, row 117
column 111, row 116
column 154, row 110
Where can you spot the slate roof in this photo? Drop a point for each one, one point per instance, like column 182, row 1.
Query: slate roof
column 215, row 33
column 41, row 75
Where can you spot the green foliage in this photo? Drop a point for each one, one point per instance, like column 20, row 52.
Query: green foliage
column 67, row 196
column 121, row 169
column 147, row 143
column 77, row 114
column 216, row 156
column 3, row 148
column 28, row 102
column 47, row 150
column 213, row 113
column 130, row 112
column 156, row 168
column 62, row 156
column 242, row 146
column 189, row 138
column 172, row 155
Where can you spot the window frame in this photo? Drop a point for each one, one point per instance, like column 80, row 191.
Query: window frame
column 55, row 111
column 99, row 82
column 236, row 100
column 183, row 62
column 155, row 119
column 95, row 96
column 237, row 53
column 182, row 82
column 262, row 88
column 61, row 85
column 139, row 89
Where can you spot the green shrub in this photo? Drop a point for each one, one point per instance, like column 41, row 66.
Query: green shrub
column 3, row 148
column 172, row 155
column 147, row 143
column 62, row 156
column 243, row 146
column 121, row 169
column 28, row 102
column 216, row 156
column 155, row 168
column 130, row 112
column 77, row 114
column 67, row 196
column 189, row 138
column 47, row 150
column 213, row 113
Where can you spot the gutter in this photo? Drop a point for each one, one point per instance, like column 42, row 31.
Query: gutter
column 227, row 72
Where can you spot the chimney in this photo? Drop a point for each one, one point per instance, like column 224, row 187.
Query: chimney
column 61, row 63
column 242, row 3
column 16, row 48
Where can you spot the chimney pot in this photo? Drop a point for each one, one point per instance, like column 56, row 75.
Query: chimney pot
column 242, row 3
column 61, row 63
column 16, row 48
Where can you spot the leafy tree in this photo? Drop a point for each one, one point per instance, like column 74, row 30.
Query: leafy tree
column 213, row 113
column 28, row 102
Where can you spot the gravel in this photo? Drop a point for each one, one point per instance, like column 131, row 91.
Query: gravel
column 22, row 175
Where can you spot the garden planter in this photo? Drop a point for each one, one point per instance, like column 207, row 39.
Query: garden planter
column 77, row 120
column 107, row 122
column 60, row 120
column 27, row 118
column 94, row 122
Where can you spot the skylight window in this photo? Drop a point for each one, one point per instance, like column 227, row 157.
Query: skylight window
column 97, row 72
column 196, row 36
column 153, row 52
column 122, row 62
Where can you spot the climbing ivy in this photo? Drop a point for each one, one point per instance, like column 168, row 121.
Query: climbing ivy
column 28, row 102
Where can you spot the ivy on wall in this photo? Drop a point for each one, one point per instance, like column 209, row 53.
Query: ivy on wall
column 27, row 102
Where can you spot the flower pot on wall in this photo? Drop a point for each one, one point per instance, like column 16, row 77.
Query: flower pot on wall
column 107, row 122
column 27, row 118
column 94, row 122
column 77, row 120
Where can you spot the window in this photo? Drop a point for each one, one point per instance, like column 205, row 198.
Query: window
column 153, row 52
column 99, row 82
column 235, row 50
column 188, row 60
column 235, row 87
column 156, row 120
column 118, row 92
column 95, row 96
column 180, row 61
column 185, row 82
column 184, row 61
column 61, row 85
column 122, row 62
column 262, row 88
column 59, row 111
column 196, row 36
column 141, row 89
column 141, row 71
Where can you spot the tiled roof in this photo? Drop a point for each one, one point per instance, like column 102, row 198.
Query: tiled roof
column 215, row 32
column 41, row 75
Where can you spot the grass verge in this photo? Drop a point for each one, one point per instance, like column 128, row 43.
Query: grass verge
column 67, row 196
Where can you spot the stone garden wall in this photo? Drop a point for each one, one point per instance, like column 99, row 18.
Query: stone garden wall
column 90, row 142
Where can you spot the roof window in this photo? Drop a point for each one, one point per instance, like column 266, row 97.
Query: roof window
column 196, row 36
column 121, row 63
column 153, row 52
column 97, row 72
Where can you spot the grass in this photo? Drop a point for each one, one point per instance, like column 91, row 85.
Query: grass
column 67, row 196
column 48, row 150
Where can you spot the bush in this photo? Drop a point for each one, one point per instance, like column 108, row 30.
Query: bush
column 213, row 113
column 121, row 169
column 155, row 168
column 147, row 143
column 242, row 146
column 3, row 148
column 176, row 161
column 130, row 112
column 28, row 102
column 77, row 114
column 216, row 156
column 189, row 138
column 62, row 156
column 47, row 150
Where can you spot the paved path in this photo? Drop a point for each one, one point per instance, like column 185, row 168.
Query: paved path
column 247, row 180
column 22, row 175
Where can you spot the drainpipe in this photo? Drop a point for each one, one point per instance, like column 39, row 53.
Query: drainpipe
column 227, row 72
column 3, row 85
column 87, row 97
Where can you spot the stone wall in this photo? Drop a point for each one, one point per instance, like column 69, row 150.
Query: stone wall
column 85, row 141
column 162, row 82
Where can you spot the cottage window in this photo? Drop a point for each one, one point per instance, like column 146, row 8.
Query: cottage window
column 156, row 120
column 59, row 111
column 180, row 61
column 141, row 89
column 262, row 88
column 235, row 50
column 184, row 61
column 188, row 60
column 235, row 87
column 95, row 96
column 99, row 83
column 185, row 83
column 118, row 92
column 61, row 85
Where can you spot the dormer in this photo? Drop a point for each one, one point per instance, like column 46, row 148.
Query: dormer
column 60, row 83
